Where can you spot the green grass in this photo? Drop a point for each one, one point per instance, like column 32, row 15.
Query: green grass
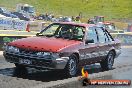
column 111, row 9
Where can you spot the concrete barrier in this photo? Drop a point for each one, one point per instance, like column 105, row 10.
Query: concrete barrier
column 7, row 39
column 11, row 35
column 125, row 38
column 38, row 26
column 8, row 36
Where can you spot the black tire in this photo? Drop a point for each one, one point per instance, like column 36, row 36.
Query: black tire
column 108, row 62
column 20, row 66
column 20, row 71
column 71, row 67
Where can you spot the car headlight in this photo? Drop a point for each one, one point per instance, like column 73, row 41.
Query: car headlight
column 12, row 49
column 43, row 53
column 55, row 55
column 16, row 50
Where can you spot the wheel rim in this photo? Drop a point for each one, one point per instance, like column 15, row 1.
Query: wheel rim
column 72, row 67
column 110, row 60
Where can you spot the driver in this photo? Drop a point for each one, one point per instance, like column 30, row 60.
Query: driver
column 75, row 33
column 65, row 32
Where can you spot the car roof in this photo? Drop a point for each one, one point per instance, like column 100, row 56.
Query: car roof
column 77, row 24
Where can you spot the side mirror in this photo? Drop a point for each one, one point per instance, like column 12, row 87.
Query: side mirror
column 89, row 41
column 37, row 34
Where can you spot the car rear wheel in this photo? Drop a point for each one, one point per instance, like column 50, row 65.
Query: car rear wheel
column 71, row 67
column 108, row 62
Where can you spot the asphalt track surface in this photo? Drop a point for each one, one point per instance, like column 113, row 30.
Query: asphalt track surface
column 11, row 77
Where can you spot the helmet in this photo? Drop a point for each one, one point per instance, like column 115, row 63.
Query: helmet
column 75, row 31
column 65, row 32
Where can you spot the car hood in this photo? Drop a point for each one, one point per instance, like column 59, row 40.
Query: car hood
column 44, row 43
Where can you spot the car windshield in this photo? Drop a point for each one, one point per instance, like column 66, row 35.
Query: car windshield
column 29, row 9
column 65, row 31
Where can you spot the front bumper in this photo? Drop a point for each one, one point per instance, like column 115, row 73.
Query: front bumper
column 46, row 62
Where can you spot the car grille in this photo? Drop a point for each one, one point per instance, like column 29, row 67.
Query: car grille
column 36, row 61
column 27, row 52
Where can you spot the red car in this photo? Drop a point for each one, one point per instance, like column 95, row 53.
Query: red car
column 65, row 46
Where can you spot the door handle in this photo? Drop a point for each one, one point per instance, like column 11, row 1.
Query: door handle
column 109, row 44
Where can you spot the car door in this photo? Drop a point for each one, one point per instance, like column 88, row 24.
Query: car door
column 104, row 42
column 90, row 50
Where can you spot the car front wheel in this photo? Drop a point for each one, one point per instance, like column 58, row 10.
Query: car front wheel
column 108, row 62
column 20, row 66
column 71, row 67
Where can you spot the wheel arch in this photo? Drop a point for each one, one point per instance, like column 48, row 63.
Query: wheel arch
column 77, row 55
column 113, row 50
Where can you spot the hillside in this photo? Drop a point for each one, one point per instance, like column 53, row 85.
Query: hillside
column 88, row 8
